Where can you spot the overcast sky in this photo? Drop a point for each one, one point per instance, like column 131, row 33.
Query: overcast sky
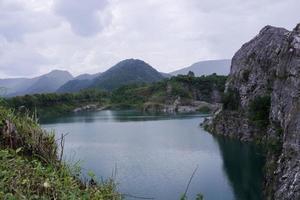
column 89, row 36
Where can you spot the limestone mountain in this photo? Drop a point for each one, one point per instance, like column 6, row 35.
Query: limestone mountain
column 220, row 67
column 262, row 103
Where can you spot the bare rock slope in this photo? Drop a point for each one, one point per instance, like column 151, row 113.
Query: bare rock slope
column 265, row 80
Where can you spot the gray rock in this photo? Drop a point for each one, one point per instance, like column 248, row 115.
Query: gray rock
column 269, row 64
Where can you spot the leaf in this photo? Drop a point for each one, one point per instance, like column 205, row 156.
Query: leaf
column 91, row 174
column 18, row 150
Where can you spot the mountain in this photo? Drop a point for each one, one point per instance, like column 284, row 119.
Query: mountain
column 75, row 85
column 49, row 82
column 126, row 72
column 220, row 67
column 87, row 76
column 78, row 83
column 262, row 104
column 165, row 75
column 42, row 84
column 12, row 86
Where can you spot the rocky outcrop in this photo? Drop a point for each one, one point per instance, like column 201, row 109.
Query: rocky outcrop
column 181, row 107
column 267, row 66
column 89, row 107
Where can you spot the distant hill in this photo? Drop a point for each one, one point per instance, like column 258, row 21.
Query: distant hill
column 220, row 67
column 165, row 75
column 126, row 72
column 42, row 84
column 49, row 82
column 12, row 86
column 78, row 83
column 75, row 85
column 87, row 76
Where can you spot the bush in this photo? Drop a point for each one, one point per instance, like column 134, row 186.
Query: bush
column 259, row 110
column 204, row 109
column 231, row 100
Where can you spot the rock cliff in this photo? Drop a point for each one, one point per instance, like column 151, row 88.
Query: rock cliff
column 262, row 103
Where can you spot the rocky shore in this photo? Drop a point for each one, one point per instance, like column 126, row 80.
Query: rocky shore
column 179, row 107
column 89, row 107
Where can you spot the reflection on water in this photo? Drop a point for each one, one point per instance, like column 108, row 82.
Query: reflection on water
column 156, row 154
column 243, row 165
column 116, row 115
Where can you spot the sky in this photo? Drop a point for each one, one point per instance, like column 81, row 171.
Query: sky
column 89, row 36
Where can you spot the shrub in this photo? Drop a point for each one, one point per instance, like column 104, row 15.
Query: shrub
column 204, row 109
column 231, row 100
column 259, row 110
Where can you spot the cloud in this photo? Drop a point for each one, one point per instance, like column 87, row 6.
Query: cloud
column 19, row 60
column 85, row 17
column 18, row 19
column 90, row 36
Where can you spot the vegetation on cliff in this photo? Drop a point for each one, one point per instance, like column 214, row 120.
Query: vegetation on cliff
column 262, row 104
column 186, row 87
column 259, row 111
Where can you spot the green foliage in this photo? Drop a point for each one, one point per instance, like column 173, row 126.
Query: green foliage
column 259, row 110
column 50, row 99
column 183, row 86
column 190, row 73
column 56, row 104
column 27, row 178
column 200, row 197
column 231, row 100
column 204, row 109
column 30, row 169
column 130, row 95
column 33, row 140
column 274, row 145
column 126, row 72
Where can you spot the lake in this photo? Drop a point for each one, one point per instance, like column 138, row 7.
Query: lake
column 155, row 155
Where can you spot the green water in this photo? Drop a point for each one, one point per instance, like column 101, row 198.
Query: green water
column 155, row 155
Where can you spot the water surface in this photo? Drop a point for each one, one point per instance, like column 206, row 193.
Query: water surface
column 155, row 155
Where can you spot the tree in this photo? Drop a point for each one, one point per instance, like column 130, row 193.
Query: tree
column 191, row 74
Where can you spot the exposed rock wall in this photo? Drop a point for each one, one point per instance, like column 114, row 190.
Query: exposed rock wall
column 269, row 64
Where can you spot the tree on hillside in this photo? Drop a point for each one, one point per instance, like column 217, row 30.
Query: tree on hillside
column 191, row 74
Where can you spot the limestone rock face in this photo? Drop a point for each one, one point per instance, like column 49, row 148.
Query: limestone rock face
column 269, row 64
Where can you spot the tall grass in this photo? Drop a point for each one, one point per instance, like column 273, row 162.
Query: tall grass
column 30, row 167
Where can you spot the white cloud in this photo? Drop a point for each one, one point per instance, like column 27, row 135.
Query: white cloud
column 92, row 35
column 86, row 17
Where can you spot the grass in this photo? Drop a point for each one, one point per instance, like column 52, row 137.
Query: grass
column 30, row 167
column 27, row 178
